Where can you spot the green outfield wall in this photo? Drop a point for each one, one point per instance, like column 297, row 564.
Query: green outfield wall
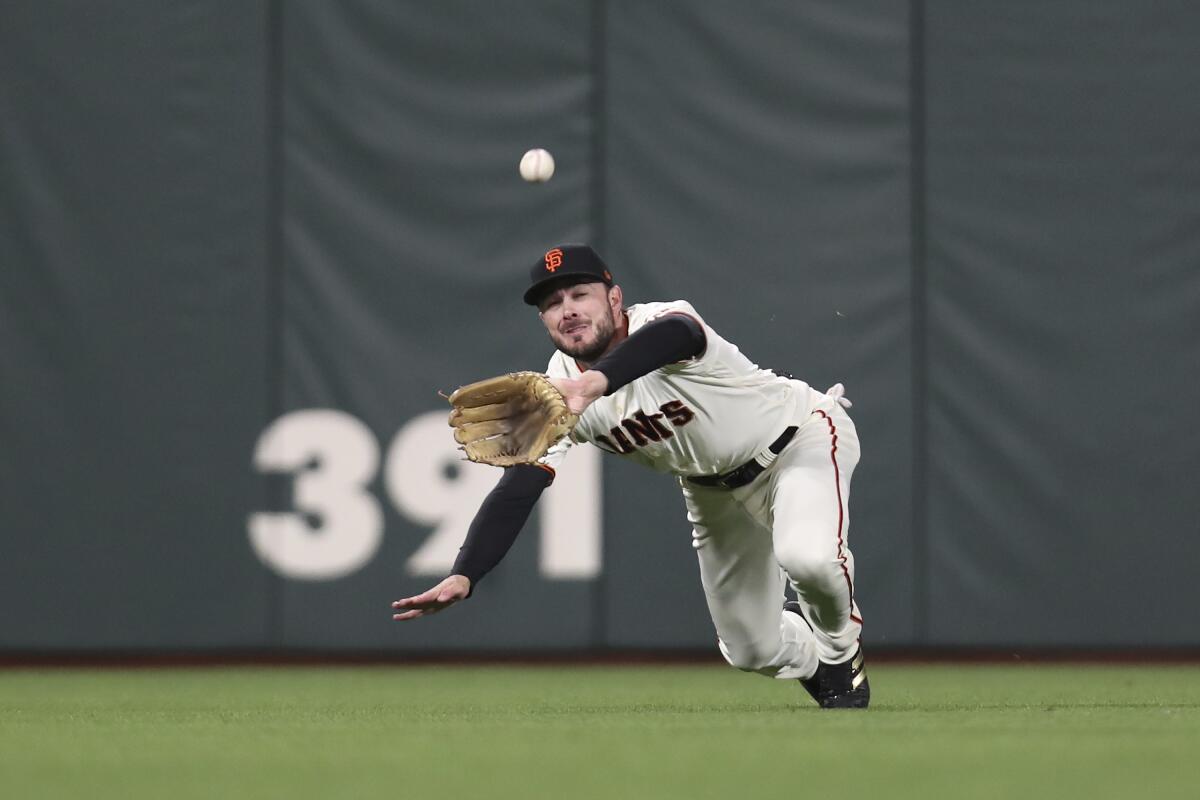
column 244, row 245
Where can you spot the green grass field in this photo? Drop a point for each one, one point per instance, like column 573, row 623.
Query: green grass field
column 590, row 732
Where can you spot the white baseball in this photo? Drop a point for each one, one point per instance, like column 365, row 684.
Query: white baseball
column 537, row 166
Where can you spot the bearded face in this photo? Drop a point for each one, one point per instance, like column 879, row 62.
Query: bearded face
column 580, row 320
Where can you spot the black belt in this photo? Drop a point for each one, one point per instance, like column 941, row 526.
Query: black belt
column 746, row 472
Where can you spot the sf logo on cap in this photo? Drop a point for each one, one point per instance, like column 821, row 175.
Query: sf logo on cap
column 553, row 260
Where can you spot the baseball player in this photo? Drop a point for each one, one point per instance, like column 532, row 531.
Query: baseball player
column 764, row 463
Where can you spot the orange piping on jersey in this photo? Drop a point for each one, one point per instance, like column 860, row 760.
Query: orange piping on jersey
column 837, row 480
column 549, row 469
column 622, row 332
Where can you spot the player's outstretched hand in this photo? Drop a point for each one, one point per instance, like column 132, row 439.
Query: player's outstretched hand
column 581, row 392
column 444, row 595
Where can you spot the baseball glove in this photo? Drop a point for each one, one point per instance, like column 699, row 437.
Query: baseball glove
column 510, row 419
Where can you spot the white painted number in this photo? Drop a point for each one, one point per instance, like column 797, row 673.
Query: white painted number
column 571, row 525
column 430, row 484
column 334, row 456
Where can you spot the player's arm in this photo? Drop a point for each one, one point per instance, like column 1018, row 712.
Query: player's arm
column 499, row 520
column 667, row 340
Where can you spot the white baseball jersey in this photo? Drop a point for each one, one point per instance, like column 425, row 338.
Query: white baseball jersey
column 702, row 416
column 711, row 414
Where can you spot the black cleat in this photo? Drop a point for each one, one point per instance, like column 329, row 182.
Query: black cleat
column 842, row 685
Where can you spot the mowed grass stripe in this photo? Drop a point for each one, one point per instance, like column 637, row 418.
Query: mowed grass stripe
column 597, row 732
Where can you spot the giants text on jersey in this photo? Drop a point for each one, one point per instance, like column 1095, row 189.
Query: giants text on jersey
column 702, row 416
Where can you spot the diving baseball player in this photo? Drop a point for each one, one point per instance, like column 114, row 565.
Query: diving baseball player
column 764, row 463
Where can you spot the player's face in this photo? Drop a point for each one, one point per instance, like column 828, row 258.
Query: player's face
column 581, row 319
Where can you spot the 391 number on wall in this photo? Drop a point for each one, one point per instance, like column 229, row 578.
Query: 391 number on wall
column 337, row 524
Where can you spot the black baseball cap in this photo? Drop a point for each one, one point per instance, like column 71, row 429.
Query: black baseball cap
column 565, row 265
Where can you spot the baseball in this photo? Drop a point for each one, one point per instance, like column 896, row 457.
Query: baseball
column 537, row 166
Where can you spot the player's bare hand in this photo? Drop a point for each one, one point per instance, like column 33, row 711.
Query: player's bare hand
column 581, row 392
column 444, row 595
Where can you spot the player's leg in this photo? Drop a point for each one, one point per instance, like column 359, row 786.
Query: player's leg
column 744, row 586
column 810, row 486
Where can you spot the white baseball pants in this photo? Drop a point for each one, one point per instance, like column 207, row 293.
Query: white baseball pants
column 789, row 524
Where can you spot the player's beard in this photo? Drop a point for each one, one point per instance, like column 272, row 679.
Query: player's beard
column 605, row 328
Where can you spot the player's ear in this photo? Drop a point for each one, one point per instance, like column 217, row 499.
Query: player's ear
column 616, row 298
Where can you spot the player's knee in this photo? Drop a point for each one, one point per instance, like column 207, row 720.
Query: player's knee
column 749, row 656
column 807, row 568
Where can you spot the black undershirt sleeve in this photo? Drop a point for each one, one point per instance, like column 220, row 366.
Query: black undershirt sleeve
column 499, row 519
column 504, row 511
column 668, row 339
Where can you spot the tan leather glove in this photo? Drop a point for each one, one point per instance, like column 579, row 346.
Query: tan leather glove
column 510, row 419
